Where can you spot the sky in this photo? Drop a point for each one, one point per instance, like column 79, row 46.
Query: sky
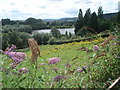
column 52, row 9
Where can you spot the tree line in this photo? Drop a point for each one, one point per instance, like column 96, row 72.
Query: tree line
column 26, row 25
column 92, row 22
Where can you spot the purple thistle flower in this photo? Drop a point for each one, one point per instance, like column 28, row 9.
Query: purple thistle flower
column 23, row 70
column 96, row 48
column 53, row 60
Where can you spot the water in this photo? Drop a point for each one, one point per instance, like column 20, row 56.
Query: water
column 62, row 31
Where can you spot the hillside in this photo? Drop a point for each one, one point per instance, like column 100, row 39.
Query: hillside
column 74, row 19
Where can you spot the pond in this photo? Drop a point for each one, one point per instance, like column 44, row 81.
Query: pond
column 62, row 31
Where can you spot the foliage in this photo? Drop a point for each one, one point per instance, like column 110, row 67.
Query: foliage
column 7, row 22
column 36, row 24
column 104, row 25
column 106, row 64
column 87, row 17
column 20, row 28
column 14, row 37
column 84, row 32
column 75, row 65
column 55, row 33
column 94, row 21
column 100, row 13
column 118, row 18
column 66, row 34
column 52, row 40
column 42, row 38
column 80, row 22
column 25, row 28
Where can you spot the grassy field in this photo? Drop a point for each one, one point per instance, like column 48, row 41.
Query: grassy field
column 72, row 58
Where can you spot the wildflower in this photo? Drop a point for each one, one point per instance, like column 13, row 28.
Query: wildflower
column 96, row 48
column 3, row 69
column 113, row 43
column 53, row 60
column 16, row 56
column 59, row 77
column 55, row 69
column 79, row 70
column 13, row 47
column 23, row 70
column 85, row 67
column 13, row 65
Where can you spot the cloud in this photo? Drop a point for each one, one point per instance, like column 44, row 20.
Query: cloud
column 89, row 2
column 12, row 4
column 56, row 0
column 45, row 9
column 72, row 11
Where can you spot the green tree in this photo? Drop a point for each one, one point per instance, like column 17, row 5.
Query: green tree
column 20, row 28
column 70, row 34
column 25, row 28
column 100, row 13
column 6, row 21
column 35, row 23
column 30, row 21
column 94, row 21
column 80, row 22
column 87, row 17
column 55, row 33
column 118, row 17
column 104, row 25
column 42, row 38
column 66, row 34
column 14, row 37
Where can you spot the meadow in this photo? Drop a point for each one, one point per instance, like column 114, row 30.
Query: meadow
column 84, row 64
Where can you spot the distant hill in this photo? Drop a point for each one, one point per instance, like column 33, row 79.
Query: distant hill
column 109, row 15
column 74, row 19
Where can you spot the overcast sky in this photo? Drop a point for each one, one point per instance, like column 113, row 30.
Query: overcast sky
column 52, row 9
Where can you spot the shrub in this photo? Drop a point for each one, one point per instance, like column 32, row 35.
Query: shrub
column 21, row 28
column 14, row 37
column 106, row 63
column 52, row 40
column 55, row 33
column 104, row 25
column 84, row 31
column 25, row 28
column 42, row 38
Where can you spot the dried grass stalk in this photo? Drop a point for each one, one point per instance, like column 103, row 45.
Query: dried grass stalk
column 34, row 48
column 111, row 37
column 107, row 41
